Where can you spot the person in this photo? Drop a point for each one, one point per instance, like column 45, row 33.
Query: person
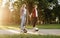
column 34, row 18
column 23, row 18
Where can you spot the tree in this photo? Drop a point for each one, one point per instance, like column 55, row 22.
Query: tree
column 44, row 9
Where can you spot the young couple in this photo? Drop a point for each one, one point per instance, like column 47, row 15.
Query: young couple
column 23, row 13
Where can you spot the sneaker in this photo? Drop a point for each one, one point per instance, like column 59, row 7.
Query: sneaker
column 25, row 31
column 21, row 31
column 35, row 29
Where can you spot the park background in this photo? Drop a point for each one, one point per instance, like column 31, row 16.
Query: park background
column 48, row 11
column 48, row 17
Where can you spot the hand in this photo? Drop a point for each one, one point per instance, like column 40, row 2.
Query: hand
column 30, row 16
column 20, row 17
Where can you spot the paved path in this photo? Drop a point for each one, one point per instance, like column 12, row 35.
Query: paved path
column 41, row 32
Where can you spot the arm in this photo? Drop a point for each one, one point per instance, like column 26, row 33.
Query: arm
column 21, row 13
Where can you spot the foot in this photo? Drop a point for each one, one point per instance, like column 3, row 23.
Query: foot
column 35, row 29
column 21, row 31
column 24, row 30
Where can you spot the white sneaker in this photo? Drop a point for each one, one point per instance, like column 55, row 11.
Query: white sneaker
column 35, row 29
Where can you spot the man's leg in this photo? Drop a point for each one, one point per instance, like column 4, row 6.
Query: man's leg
column 34, row 24
column 34, row 21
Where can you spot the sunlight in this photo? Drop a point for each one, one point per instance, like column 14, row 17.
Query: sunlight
column 1, row 14
column 14, row 31
column 3, row 3
column 4, row 12
column 59, row 2
column 9, row 28
column 15, row 28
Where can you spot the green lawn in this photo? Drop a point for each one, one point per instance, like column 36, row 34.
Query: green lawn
column 46, row 26
column 49, row 26
column 29, row 36
column 41, row 26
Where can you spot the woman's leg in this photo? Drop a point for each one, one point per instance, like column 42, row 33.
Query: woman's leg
column 22, row 23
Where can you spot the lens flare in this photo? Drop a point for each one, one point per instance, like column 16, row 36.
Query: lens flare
column 1, row 16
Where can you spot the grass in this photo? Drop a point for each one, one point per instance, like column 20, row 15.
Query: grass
column 49, row 26
column 46, row 26
column 28, row 36
column 41, row 26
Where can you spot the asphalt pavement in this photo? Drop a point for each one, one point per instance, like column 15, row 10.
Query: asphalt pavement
column 41, row 31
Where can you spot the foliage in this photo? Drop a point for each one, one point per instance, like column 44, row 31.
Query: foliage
column 29, row 36
column 45, row 14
